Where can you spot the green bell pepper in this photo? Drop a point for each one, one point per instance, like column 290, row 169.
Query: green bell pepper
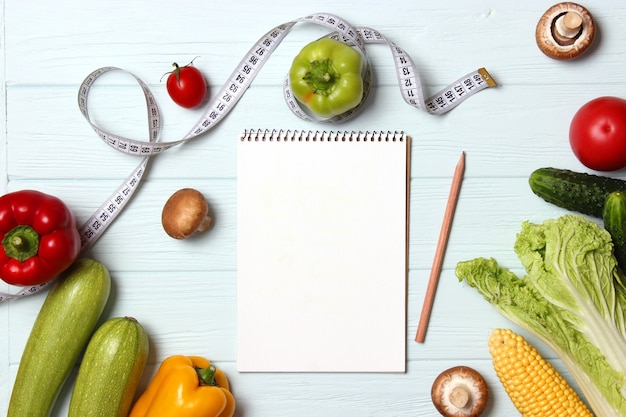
column 326, row 76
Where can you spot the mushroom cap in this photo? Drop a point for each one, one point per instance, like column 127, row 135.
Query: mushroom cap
column 561, row 47
column 460, row 391
column 184, row 213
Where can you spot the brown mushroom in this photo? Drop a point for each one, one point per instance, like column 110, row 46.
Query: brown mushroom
column 184, row 213
column 565, row 31
column 460, row 391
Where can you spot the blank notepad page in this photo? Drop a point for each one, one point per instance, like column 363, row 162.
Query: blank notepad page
column 322, row 251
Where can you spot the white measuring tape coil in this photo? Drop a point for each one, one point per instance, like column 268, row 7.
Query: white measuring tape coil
column 231, row 92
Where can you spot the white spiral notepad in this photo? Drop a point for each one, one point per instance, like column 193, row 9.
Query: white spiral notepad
column 322, row 251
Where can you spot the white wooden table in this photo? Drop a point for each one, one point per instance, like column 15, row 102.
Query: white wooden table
column 184, row 292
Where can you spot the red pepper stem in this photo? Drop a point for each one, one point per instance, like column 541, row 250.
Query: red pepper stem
column 206, row 376
column 21, row 243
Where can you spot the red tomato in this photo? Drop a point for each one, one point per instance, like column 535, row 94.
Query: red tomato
column 597, row 134
column 186, row 86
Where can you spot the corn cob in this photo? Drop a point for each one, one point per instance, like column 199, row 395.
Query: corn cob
column 533, row 384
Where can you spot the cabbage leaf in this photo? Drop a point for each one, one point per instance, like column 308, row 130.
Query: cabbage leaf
column 573, row 298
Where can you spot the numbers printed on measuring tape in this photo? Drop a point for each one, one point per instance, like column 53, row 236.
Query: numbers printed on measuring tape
column 232, row 91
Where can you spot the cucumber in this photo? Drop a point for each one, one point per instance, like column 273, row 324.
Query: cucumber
column 66, row 321
column 614, row 217
column 111, row 370
column 574, row 191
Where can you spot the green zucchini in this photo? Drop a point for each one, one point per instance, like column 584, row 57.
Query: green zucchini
column 111, row 370
column 574, row 191
column 614, row 217
column 66, row 321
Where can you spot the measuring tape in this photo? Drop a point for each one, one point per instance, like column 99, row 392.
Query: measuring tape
column 232, row 91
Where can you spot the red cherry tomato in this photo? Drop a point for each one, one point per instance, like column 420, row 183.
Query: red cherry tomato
column 186, row 86
column 597, row 134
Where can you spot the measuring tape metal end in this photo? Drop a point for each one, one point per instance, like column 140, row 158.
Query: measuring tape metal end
column 487, row 77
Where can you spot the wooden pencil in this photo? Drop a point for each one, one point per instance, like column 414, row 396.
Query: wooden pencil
column 435, row 271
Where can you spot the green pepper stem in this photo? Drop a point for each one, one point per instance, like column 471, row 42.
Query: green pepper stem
column 322, row 76
column 207, row 375
column 21, row 243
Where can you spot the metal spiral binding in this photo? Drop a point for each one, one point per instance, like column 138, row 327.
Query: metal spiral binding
column 274, row 135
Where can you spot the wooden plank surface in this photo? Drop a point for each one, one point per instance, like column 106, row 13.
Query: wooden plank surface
column 184, row 292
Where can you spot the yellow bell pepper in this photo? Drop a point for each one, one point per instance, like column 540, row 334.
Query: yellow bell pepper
column 186, row 386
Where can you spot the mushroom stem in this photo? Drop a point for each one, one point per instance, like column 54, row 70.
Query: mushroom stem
column 568, row 25
column 459, row 397
column 206, row 224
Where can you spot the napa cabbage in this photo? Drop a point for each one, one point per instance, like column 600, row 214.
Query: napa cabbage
column 573, row 298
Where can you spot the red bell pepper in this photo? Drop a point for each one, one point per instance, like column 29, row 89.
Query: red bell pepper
column 39, row 237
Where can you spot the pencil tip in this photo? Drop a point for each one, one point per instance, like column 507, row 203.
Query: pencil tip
column 462, row 158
